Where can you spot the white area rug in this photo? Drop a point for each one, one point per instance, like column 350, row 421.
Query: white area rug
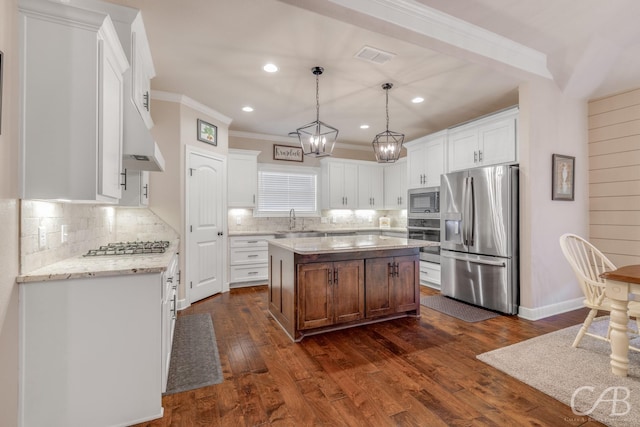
column 580, row 375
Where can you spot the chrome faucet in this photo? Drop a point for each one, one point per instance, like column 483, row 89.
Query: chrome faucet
column 292, row 219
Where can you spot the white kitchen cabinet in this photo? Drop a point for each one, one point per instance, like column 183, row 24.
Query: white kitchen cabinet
column 370, row 186
column 339, row 184
column 430, row 274
column 242, row 178
column 71, row 68
column 135, row 191
column 248, row 259
column 140, row 150
column 169, row 315
column 90, row 351
column 395, row 185
column 487, row 141
column 425, row 160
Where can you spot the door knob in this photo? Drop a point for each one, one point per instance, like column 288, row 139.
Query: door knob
column 220, row 233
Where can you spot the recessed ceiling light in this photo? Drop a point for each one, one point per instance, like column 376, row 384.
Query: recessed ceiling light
column 417, row 100
column 364, row 126
column 247, row 109
column 270, row 68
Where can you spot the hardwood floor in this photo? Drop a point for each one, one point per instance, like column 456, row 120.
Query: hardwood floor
column 405, row 372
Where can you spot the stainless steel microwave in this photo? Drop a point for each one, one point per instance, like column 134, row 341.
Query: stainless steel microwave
column 424, row 202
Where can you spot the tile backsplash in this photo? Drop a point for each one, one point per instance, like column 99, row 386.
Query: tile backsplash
column 87, row 227
column 242, row 220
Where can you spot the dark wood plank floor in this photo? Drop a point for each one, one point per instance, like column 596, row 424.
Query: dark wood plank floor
column 405, row 372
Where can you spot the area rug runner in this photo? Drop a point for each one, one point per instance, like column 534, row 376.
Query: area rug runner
column 549, row 363
column 457, row 309
column 195, row 361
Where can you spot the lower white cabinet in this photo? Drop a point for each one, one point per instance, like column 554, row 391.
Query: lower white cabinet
column 90, row 351
column 169, row 315
column 248, row 259
column 430, row 274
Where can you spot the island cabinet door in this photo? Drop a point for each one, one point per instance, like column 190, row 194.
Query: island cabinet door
column 315, row 296
column 379, row 298
column 348, row 290
column 406, row 281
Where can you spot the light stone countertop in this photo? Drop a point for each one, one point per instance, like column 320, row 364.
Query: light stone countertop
column 321, row 230
column 337, row 244
column 109, row 265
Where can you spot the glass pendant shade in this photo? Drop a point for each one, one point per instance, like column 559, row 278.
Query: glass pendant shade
column 387, row 144
column 317, row 138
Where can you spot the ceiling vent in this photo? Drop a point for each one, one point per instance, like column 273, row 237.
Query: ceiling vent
column 371, row 54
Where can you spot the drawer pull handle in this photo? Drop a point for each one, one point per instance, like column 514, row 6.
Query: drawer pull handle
column 252, row 241
column 252, row 256
column 252, row 272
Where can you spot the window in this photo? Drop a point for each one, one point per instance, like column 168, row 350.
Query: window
column 282, row 189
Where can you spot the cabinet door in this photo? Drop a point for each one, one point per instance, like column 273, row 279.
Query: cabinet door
column 350, row 189
column 406, row 291
column 416, row 166
column 242, row 181
column 434, row 162
column 142, row 72
column 336, row 186
column 379, row 298
column 110, row 125
column 497, row 142
column 144, row 188
column 370, row 187
column 463, row 149
column 315, row 299
column 348, row 290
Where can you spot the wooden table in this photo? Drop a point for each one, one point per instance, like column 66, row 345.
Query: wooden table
column 619, row 284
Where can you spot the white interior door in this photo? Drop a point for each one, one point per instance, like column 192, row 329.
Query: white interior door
column 206, row 245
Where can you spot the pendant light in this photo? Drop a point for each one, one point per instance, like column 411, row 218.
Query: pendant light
column 317, row 138
column 387, row 144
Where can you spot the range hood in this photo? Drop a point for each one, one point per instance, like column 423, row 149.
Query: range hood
column 139, row 150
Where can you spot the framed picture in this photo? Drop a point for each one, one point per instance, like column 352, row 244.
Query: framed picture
column 288, row 153
column 562, row 177
column 207, row 132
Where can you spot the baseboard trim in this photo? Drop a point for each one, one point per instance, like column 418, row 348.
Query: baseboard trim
column 551, row 309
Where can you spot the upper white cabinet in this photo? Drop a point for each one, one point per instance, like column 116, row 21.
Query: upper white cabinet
column 71, row 81
column 135, row 189
column 242, row 178
column 339, row 184
column 425, row 160
column 395, row 185
column 140, row 151
column 370, row 186
column 487, row 141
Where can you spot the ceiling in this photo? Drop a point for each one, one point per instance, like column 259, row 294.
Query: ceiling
column 213, row 52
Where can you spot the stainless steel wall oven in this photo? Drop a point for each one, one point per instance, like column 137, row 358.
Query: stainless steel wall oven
column 423, row 220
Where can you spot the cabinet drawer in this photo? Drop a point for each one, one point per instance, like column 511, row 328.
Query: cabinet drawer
column 248, row 256
column 247, row 273
column 249, row 241
column 429, row 272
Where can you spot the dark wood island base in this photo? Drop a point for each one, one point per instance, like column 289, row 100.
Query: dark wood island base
column 312, row 292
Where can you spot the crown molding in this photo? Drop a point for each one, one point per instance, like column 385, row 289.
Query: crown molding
column 191, row 103
column 289, row 140
column 432, row 23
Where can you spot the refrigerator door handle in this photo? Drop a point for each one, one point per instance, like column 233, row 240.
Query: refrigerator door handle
column 463, row 211
column 471, row 203
column 473, row 260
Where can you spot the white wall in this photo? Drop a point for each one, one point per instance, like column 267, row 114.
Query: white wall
column 549, row 123
column 9, row 216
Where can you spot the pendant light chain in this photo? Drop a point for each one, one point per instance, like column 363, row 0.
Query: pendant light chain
column 317, row 98
column 387, row 104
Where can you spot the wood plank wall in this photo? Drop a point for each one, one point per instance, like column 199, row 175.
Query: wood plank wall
column 614, row 176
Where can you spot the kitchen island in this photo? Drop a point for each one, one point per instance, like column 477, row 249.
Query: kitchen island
column 320, row 284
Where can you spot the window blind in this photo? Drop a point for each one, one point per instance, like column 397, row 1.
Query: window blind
column 279, row 192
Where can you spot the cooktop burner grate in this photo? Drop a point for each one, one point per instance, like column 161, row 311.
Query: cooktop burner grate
column 130, row 248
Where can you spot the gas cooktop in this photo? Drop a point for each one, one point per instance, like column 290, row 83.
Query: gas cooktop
column 130, row 248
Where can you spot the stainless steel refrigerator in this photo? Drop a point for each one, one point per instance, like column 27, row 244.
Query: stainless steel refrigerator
column 479, row 237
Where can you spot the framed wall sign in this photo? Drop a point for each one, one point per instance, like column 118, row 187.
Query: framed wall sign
column 288, row 153
column 207, row 132
column 562, row 177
